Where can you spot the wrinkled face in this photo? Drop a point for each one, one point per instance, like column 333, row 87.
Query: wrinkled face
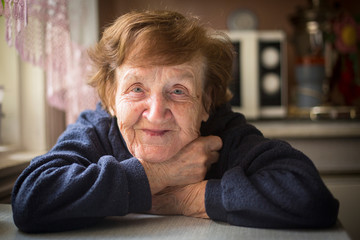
column 159, row 109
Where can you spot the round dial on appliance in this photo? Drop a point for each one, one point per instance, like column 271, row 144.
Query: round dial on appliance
column 270, row 57
column 271, row 83
column 242, row 19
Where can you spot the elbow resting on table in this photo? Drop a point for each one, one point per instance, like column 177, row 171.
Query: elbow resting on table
column 31, row 219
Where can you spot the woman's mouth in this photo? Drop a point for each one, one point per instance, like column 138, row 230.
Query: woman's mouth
column 155, row 133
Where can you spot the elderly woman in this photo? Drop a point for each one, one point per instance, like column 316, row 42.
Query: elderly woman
column 164, row 140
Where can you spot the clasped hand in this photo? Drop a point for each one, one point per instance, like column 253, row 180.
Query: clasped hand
column 177, row 185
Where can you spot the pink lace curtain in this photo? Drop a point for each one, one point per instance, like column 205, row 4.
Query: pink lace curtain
column 40, row 30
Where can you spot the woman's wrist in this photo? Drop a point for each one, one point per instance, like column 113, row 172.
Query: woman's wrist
column 195, row 207
column 156, row 181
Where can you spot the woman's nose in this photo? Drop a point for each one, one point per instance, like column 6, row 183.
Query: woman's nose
column 157, row 110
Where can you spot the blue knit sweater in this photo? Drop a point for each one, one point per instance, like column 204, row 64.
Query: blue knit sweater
column 89, row 174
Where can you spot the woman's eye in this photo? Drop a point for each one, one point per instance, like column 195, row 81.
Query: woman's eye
column 137, row 90
column 178, row 92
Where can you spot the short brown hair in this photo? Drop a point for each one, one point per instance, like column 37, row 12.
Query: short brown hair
column 162, row 38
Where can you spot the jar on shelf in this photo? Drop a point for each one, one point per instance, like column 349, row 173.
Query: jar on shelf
column 312, row 26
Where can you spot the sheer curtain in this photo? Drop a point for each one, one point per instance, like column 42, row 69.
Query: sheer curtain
column 55, row 35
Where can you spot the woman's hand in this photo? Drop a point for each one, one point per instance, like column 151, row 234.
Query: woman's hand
column 186, row 200
column 188, row 166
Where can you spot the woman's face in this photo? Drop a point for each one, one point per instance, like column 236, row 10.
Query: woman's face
column 159, row 109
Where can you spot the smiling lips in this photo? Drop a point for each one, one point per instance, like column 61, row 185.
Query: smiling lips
column 155, row 133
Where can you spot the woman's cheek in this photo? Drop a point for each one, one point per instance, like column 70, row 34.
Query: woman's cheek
column 124, row 116
column 188, row 117
column 126, row 121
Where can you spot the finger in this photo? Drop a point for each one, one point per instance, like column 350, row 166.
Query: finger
column 214, row 143
column 213, row 158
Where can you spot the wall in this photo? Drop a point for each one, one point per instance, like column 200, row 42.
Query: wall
column 271, row 14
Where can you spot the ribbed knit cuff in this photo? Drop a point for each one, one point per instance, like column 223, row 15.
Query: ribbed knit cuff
column 213, row 201
column 138, row 186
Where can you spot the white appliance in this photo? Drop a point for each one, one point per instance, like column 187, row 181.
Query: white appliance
column 259, row 77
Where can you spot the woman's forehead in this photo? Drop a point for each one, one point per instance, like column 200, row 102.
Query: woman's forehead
column 183, row 71
column 189, row 73
column 191, row 68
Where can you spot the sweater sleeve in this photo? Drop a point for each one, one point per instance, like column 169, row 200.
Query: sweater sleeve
column 266, row 183
column 78, row 182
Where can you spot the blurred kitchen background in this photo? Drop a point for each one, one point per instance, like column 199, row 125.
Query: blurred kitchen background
column 296, row 77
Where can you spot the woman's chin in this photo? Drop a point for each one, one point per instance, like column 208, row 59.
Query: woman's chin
column 155, row 154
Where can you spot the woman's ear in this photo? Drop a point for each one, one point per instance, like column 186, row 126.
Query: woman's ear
column 206, row 102
column 205, row 116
